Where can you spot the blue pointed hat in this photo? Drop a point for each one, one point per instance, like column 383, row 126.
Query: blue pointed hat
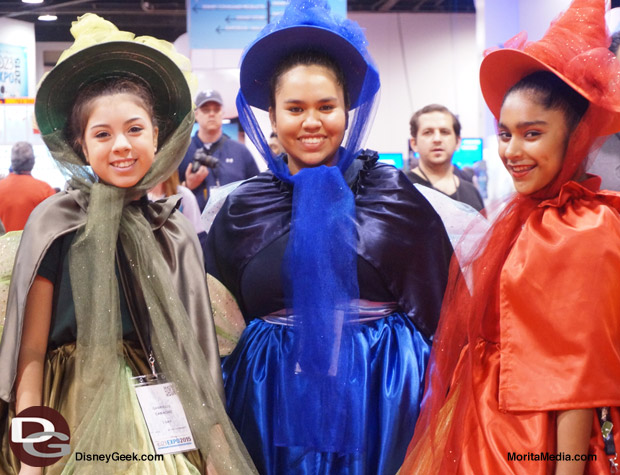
column 308, row 25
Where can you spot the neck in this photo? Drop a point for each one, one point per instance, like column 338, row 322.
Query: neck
column 209, row 137
column 436, row 171
column 22, row 173
column 158, row 189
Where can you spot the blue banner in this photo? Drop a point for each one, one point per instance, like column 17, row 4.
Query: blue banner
column 13, row 71
column 233, row 24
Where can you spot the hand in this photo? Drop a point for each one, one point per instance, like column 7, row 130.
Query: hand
column 28, row 470
column 194, row 180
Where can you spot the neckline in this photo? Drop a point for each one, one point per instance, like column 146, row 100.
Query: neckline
column 456, row 187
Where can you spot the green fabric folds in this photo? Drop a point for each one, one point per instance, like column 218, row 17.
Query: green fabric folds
column 103, row 410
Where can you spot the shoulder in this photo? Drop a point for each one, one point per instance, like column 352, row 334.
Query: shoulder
column 186, row 193
column 232, row 144
column 380, row 178
column 264, row 186
column 577, row 228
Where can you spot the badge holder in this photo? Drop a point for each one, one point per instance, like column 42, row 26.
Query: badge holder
column 158, row 398
column 163, row 412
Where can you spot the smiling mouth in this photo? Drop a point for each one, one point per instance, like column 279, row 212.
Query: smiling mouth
column 519, row 171
column 124, row 163
column 311, row 140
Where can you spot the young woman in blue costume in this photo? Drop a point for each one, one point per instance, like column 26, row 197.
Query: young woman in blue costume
column 106, row 284
column 336, row 261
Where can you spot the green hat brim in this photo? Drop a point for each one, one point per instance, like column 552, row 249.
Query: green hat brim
column 168, row 85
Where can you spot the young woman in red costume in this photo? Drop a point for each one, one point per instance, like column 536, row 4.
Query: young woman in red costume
column 525, row 371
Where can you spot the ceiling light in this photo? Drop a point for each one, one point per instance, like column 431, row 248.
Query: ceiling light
column 47, row 17
column 32, row 1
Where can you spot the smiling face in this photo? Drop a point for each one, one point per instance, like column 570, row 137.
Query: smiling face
column 435, row 140
column 532, row 141
column 309, row 116
column 119, row 140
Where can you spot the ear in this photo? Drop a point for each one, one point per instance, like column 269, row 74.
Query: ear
column 413, row 144
column 155, row 136
column 272, row 119
column 84, row 151
column 458, row 143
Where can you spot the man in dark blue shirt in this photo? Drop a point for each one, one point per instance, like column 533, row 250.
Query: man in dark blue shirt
column 233, row 161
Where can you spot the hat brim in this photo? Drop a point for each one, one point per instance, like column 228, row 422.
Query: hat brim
column 262, row 58
column 502, row 69
column 58, row 90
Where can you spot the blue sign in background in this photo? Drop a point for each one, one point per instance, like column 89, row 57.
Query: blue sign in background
column 233, row 24
column 13, row 71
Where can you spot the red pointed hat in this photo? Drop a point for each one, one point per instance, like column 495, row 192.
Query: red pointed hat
column 574, row 48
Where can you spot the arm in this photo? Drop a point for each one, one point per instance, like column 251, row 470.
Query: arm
column 574, row 428
column 29, row 382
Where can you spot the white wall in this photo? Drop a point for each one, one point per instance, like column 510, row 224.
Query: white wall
column 422, row 59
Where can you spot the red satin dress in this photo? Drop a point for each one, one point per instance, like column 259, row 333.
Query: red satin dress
column 551, row 343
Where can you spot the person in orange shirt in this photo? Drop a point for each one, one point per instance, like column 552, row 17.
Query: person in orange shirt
column 20, row 192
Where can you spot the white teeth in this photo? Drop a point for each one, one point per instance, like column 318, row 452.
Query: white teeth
column 522, row 168
column 311, row 140
column 124, row 163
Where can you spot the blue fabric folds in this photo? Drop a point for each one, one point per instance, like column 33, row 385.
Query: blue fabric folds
column 320, row 271
column 387, row 355
column 320, row 265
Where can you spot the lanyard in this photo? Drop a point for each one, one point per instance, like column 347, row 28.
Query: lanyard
column 135, row 304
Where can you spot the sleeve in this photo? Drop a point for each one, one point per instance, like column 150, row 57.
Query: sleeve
column 560, row 311
column 190, row 208
column 51, row 261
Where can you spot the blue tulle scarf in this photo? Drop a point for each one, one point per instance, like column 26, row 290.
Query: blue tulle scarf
column 315, row 401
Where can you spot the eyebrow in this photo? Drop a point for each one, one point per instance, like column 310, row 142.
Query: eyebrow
column 522, row 125
column 133, row 119
column 298, row 101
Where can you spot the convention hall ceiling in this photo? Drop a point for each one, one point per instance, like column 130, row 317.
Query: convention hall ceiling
column 166, row 19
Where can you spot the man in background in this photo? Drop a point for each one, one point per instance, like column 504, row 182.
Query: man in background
column 20, row 193
column 435, row 136
column 607, row 163
column 213, row 159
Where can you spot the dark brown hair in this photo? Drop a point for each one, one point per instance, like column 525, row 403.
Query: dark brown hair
column 549, row 91
column 83, row 106
column 307, row 58
column 415, row 118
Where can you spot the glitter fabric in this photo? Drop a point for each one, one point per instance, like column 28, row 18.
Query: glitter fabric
column 229, row 322
column 9, row 243
column 103, row 411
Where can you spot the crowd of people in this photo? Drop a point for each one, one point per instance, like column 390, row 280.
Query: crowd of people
column 368, row 338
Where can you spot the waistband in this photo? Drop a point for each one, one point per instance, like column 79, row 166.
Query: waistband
column 367, row 310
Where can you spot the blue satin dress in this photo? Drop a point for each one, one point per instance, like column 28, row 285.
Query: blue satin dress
column 403, row 256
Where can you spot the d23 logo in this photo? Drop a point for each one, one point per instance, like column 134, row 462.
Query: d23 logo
column 39, row 436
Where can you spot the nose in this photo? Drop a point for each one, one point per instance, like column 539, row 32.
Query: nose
column 436, row 136
column 121, row 144
column 512, row 149
column 312, row 121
